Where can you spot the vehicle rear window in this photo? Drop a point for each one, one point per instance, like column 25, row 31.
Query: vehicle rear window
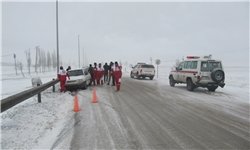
column 147, row 66
column 75, row 72
column 209, row 65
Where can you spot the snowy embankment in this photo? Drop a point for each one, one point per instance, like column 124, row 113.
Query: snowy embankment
column 41, row 125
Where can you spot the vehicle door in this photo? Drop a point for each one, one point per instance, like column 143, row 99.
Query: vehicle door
column 204, row 71
column 178, row 72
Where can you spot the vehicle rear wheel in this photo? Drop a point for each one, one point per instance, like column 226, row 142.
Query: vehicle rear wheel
column 190, row 85
column 151, row 78
column 171, row 81
column 212, row 88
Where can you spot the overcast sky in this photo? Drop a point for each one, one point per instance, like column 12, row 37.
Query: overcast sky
column 131, row 32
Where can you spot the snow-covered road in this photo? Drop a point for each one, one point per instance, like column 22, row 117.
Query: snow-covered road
column 145, row 114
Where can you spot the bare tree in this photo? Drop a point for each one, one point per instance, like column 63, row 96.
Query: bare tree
column 43, row 60
column 20, row 66
column 54, row 60
column 49, row 62
column 37, row 58
column 15, row 63
column 28, row 58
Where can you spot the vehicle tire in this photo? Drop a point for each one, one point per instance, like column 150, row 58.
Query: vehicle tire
column 218, row 75
column 212, row 88
column 171, row 81
column 137, row 75
column 190, row 85
column 131, row 75
column 85, row 86
column 151, row 78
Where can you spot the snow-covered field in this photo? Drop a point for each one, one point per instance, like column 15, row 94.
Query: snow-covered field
column 12, row 83
column 32, row 125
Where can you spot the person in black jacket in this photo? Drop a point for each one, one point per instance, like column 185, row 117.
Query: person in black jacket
column 91, row 72
column 106, row 72
column 111, row 75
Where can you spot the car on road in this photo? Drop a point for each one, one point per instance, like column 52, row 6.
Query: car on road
column 79, row 79
column 143, row 70
column 198, row 71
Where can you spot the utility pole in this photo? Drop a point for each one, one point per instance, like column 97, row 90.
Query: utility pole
column 15, row 62
column 78, row 50
column 57, row 37
column 83, row 61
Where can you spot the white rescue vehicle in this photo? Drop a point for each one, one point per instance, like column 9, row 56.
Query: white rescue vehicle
column 198, row 71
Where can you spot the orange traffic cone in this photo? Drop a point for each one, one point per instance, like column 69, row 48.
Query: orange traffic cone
column 76, row 104
column 94, row 97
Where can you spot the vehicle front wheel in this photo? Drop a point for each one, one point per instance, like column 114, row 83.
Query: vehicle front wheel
column 212, row 88
column 137, row 75
column 151, row 78
column 85, row 86
column 190, row 85
column 131, row 75
column 171, row 81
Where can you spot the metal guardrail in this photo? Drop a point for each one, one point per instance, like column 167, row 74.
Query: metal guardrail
column 13, row 100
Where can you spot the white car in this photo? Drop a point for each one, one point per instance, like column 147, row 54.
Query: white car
column 79, row 79
column 199, row 72
column 143, row 70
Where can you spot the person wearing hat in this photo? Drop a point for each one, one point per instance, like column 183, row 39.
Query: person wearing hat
column 99, row 76
column 62, row 76
column 111, row 75
column 117, row 75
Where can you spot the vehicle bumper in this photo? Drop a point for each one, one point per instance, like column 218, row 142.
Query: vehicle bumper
column 209, row 84
column 146, row 75
column 70, row 86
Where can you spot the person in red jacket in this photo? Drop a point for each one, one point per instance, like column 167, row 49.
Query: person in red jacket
column 62, row 76
column 117, row 74
column 100, row 73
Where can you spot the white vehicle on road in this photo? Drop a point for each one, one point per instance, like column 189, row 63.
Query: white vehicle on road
column 198, row 72
column 143, row 70
column 79, row 79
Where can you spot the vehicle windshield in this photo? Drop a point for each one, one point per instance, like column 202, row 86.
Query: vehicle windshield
column 75, row 72
column 210, row 65
column 147, row 66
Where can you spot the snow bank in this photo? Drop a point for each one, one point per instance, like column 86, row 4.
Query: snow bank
column 32, row 124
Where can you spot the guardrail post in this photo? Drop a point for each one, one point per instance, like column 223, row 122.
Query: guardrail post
column 53, row 87
column 39, row 95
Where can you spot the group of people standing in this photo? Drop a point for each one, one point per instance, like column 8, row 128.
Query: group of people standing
column 106, row 74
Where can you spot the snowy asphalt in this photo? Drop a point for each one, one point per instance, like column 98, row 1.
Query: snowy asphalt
column 146, row 115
